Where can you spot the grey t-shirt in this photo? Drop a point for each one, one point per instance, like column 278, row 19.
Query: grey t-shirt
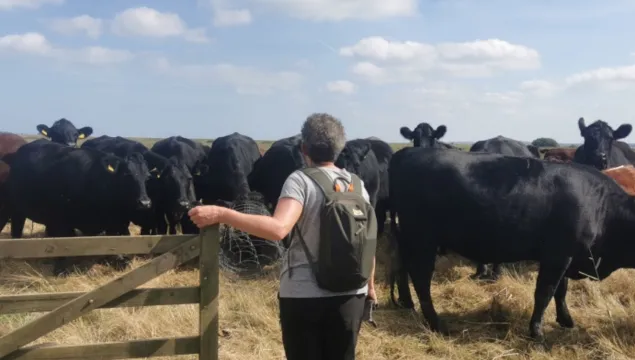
column 302, row 283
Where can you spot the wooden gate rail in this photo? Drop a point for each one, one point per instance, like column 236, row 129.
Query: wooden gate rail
column 120, row 292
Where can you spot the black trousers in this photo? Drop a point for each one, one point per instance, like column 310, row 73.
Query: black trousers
column 321, row 328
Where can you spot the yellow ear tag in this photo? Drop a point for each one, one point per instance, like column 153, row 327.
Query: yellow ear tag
column 81, row 136
column 44, row 132
column 111, row 169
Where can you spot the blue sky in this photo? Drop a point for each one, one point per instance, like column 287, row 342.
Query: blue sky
column 206, row 68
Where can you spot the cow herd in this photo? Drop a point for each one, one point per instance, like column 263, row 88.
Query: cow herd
column 499, row 202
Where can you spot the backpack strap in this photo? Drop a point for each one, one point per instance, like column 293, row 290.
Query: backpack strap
column 328, row 186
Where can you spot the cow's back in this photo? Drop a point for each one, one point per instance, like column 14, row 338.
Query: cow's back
column 475, row 203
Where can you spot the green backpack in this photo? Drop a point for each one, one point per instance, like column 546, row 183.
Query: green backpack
column 348, row 235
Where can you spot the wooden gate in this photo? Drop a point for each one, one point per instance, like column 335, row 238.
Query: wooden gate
column 172, row 251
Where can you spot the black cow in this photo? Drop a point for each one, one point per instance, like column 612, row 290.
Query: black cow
column 229, row 161
column 192, row 155
column 171, row 188
column 601, row 148
column 67, row 188
column 424, row 135
column 272, row 169
column 358, row 158
column 504, row 146
column 570, row 218
column 64, row 132
column 383, row 153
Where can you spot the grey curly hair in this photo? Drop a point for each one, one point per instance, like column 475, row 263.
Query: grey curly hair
column 324, row 137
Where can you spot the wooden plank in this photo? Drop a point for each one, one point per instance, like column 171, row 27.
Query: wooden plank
column 108, row 351
column 12, row 304
column 89, row 246
column 208, row 308
column 98, row 297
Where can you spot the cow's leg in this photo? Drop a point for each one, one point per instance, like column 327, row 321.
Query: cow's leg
column 496, row 271
column 399, row 274
column 17, row 225
column 481, row 272
column 549, row 277
column 562, row 311
column 420, row 266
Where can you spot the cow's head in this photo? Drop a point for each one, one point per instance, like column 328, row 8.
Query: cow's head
column 130, row 176
column 353, row 155
column 64, row 132
column 423, row 135
column 598, row 141
column 175, row 182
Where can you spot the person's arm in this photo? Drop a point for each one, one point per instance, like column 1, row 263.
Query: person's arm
column 274, row 227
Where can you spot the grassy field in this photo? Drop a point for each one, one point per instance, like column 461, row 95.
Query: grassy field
column 487, row 321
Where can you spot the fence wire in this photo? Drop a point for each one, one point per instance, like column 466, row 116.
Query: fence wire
column 246, row 255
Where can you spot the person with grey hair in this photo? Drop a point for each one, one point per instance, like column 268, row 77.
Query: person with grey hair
column 316, row 323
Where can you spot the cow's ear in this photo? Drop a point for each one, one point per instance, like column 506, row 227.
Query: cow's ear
column 623, row 131
column 581, row 125
column 405, row 132
column 440, row 131
column 85, row 132
column 43, row 129
column 111, row 164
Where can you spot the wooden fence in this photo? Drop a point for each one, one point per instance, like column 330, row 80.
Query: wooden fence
column 63, row 308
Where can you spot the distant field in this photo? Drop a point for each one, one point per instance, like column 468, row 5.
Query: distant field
column 263, row 144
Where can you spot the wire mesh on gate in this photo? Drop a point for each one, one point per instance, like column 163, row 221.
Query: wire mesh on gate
column 245, row 254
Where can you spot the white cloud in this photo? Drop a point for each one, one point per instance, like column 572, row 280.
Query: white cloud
column 245, row 80
column 341, row 86
column 338, row 10
column 89, row 25
column 37, row 44
column 32, row 43
column 226, row 16
column 147, row 22
column 409, row 60
column 539, row 87
column 27, row 4
column 502, row 98
column 614, row 74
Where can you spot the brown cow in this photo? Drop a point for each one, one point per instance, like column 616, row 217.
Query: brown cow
column 9, row 143
column 623, row 175
column 558, row 154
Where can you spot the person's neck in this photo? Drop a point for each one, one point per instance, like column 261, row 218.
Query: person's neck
column 325, row 164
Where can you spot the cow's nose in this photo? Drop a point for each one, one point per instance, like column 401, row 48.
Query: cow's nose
column 145, row 204
column 185, row 205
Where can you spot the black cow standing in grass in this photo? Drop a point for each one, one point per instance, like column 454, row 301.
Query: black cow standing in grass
column 490, row 208
column 358, row 158
column 424, row 135
column 192, row 155
column 66, row 188
column 383, row 154
column 171, row 187
column 504, row 146
column 64, row 132
column 276, row 164
column 229, row 162
column 601, row 148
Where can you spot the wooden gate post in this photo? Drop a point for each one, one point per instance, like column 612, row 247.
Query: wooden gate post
column 208, row 307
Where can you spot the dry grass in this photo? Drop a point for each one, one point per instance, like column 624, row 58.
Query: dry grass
column 487, row 321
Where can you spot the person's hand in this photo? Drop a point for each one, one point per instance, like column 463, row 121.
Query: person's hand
column 205, row 215
column 372, row 295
